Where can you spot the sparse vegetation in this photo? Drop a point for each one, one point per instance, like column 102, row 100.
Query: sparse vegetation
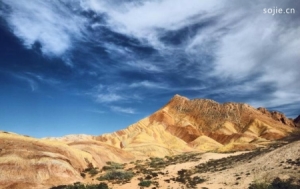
column 259, row 185
column 277, row 183
column 284, row 184
column 117, row 175
column 145, row 183
column 295, row 162
column 157, row 163
column 112, row 166
column 115, row 172
column 92, row 171
column 229, row 162
column 153, row 166
column 185, row 177
column 182, row 158
column 102, row 185
column 149, row 170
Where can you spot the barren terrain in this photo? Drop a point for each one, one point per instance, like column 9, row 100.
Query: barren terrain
column 185, row 144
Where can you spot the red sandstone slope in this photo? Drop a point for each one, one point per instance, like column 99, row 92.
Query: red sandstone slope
column 201, row 124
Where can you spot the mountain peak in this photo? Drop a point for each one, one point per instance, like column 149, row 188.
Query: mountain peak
column 176, row 100
column 179, row 97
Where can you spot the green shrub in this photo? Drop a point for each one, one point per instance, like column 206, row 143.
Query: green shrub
column 260, row 185
column 116, row 175
column 102, row 185
column 112, row 165
column 157, row 162
column 283, row 184
column 196, row 180
column 93, row 172
column 277, row 183
column 145, row 183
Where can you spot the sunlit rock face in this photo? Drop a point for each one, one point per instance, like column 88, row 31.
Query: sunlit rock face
column 27, row 162
column 200, row 124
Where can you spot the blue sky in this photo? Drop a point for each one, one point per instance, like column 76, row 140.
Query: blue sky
column 96, row 66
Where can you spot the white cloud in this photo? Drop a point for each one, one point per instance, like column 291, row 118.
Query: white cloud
column 278, row 98
column 144, row 66
column 108, row 94
column 114, row 49
column 111, row 94
column 122, row 110
column 159, row 14
column 109, row 97
column 240, row 50
column 47, row 22
column 141, row 20
column 250, row 44
column 148, row 84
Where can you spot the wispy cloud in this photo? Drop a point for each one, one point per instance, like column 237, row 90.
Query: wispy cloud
column 123, row 110
column 31, row 83
column 144, row 66
column 148, row 84
column 33, row 80
column 267, row 55
column 42, row 79
column 51, row 24
column 106, row 98
column 105, row 94
column 169, row 15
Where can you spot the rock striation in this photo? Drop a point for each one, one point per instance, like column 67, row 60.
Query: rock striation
column 200, row 124
column 27, row 162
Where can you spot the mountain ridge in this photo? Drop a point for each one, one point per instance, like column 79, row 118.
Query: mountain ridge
column 186, row 120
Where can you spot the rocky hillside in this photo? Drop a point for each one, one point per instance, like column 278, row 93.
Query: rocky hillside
column 182, row 125
column 201, row 125
column 27, row 162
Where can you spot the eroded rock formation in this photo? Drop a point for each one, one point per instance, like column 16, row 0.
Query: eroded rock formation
column 27, row 162
column 201, row 124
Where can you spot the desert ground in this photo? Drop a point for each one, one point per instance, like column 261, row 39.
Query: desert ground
column 235, row 170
